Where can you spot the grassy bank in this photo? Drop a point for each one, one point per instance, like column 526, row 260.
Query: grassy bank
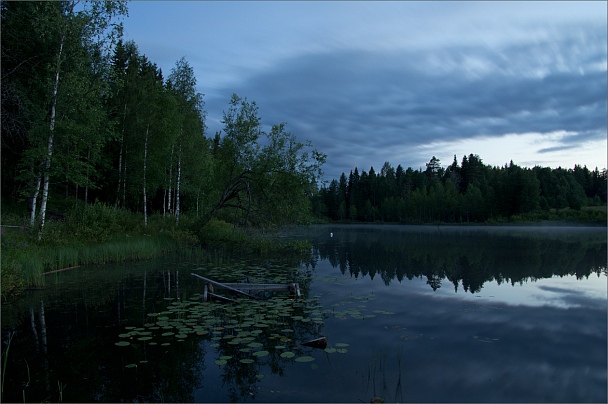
column 100, row 234
column 93, row 235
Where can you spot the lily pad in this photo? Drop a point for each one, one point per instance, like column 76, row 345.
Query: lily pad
column 305, row 359
column 144, row 338
column 261, row 353
column 246, row 361
column 288, row 355
column 122, row 343
column 131, row 365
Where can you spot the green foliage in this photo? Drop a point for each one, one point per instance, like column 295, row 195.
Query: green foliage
column 260, row 178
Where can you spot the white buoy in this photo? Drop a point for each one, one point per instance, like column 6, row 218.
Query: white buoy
column 331, row 234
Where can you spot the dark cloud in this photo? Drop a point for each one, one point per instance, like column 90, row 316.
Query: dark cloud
column 553, row 149
column 365, row 107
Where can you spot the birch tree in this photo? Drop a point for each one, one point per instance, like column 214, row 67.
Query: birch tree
column 191, row 118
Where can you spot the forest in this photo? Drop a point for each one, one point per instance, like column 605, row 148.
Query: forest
column 467, row 192
column 87, row 119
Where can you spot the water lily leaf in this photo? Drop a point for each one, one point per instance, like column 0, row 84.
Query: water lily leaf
column 341, row 344
column 261, row 353
column 288, row 355
column 167, row 334
column 131, row 365
column 342, row 350
column 305, row 359
column 144, row 338
column 124, row 335
column 225, row 357
column 246, row 361
column 122, row 343
column 153, row 343
column 255, row 344
column 330, row 350
column 165, row 344
column 221, row 362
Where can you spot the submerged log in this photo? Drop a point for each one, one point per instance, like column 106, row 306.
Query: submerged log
column 320, row 343
column 60, row 270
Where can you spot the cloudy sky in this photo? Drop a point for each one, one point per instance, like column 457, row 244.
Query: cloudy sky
column 369, row 82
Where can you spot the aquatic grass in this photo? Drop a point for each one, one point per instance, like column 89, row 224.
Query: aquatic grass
column 31, row 263
column 5, row 358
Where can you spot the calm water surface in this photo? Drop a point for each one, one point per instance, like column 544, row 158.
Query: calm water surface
column 411, row 314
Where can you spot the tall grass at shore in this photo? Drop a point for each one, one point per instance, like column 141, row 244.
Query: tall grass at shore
column 93, row 235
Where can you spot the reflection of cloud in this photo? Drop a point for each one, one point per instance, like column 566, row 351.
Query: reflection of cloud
column 502, row 352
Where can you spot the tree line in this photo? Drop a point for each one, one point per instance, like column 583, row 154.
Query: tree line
column 469, row 191
column 87, row 117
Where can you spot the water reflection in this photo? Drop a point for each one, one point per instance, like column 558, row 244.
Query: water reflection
column 466, row 258
column 429, row 314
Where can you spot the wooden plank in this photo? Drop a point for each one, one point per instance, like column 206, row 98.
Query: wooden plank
column 221, row 285
column 222, row 298
column 257, row 286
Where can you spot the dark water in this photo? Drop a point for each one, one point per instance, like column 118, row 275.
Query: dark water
column 411, row 314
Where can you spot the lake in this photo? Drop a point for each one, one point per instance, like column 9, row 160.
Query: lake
column 410, row 314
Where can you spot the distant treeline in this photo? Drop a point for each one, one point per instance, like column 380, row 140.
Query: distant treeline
column 467, row 192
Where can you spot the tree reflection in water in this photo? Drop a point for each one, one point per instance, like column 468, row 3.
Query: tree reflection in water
column 466, row 257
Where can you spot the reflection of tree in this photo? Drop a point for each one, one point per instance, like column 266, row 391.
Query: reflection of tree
column 463, row 257
column 240, row 379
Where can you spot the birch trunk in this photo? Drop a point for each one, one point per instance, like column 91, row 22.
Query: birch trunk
column 86, row 189
column 179, row 175
column 170, row 180
column 33, row 203
column 145, row 161
column 49, row 153
column 165, row 201
column 122, row 141
column 124, row 180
